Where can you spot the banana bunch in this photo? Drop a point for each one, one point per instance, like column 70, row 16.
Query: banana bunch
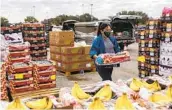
column 169, row 92
column 78, row 93
column 136, row 84
column 40, row 104
column 159, row 98
column 16, row 105
column 153, row 87
column 97, row 104
column 123, row 103
column 104, row 93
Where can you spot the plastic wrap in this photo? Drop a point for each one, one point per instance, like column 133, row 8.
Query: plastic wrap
column 4, row 49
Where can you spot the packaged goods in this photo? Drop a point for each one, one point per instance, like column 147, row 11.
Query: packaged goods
column 114, row 58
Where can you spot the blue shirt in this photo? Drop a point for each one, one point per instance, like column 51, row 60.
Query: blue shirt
column 98, row 46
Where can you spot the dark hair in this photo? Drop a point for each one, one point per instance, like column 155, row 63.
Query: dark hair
column 101, row 27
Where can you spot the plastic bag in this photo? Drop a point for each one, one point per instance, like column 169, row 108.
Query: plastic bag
column 166, row 11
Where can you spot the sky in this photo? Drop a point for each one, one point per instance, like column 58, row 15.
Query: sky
column 17, row 10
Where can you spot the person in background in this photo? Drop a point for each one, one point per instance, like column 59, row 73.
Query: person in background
column 104, row 43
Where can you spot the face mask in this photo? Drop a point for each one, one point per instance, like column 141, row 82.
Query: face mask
column 107, row 34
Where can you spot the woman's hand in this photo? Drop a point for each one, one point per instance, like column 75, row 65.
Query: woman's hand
column 95, row 56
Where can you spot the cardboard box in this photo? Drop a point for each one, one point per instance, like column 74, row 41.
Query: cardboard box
column 71, row 50
column 61, row 38
column 87, row 49
column 55, row 49
column 75, row 66
column 75, row 58
column 55, row 57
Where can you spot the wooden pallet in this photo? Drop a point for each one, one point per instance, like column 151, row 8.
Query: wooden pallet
column 37, row 93
column 68, row 73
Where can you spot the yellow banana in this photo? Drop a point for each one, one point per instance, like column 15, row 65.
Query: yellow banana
column 50, row 104
column 159, row 98
column 37, row 104
column 97, row 104
column 170, row 78
column 153, row 87
column 136, row 84
column 78, row 93
column 169, row 92
column 16, row 104
column 105, row 93
column 123, row 103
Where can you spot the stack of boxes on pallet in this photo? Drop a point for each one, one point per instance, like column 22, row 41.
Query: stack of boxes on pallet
column 20, row 70
column 44, row 73
column 69, row 58
column 165, row 67
column 20, row 77
column 149, row 47
column 35, row 35
column 3, row 92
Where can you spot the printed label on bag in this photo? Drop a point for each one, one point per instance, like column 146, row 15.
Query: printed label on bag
column 19, row 76
column 167, row 39
column 150, row 44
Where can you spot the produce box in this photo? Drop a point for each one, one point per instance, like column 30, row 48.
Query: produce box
column 20, row 68
column 55, row 57
column 33, row 39
column 44, row 79
column 47, row 85
column 19, row 53
column 19, row 47
column 166, row 36
column 55, row 49
column 61, row 38
column 20, row 76
column 43, row 65
column 150, row 34
column 19, row 59
column 39, row 58
column 33, row 34
column 45, row 73
column 74, row 58
column 111, row 59
column 75, row 66
column 22, row 89
column 39, row 54
column 71, row 50
column 38, row 48
column 87, row 49
column 38, row 45
column 24, row 82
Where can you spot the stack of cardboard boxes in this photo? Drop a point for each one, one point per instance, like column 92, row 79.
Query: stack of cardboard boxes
column 3, row 81
column 69, row 58
column 149, row 45
column 165, row 67
column 34, row 33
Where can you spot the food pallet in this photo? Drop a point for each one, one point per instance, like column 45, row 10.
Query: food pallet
column 36, row 93
column 69, row 72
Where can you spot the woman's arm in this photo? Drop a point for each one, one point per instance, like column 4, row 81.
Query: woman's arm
column 94, row 49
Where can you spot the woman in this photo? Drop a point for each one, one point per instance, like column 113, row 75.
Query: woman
column 104, row 43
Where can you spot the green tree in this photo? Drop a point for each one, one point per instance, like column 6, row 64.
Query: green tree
column 140, row 13
column 87, row 17
column 30, row 19
column 4, row 21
